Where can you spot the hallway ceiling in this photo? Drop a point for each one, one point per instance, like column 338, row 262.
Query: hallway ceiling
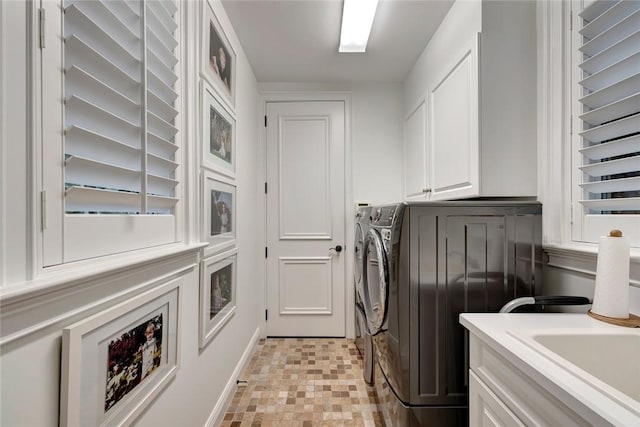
column 297, row 40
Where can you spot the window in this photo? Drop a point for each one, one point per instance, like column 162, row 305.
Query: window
column 110, row 88
column 606, row 128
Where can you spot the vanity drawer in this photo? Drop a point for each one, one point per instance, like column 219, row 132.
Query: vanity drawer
column 521, row 394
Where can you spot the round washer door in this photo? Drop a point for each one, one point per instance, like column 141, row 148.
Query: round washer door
column 367, row 347
column 357, row 259
column 375, row 281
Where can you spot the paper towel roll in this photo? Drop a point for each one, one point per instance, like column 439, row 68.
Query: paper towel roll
column 611, row 295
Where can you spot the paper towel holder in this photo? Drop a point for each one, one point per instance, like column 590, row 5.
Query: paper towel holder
column 632, row 321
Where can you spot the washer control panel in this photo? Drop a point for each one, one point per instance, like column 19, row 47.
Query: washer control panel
column 383, row 216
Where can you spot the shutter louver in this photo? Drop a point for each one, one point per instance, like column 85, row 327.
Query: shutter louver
column 611, row 107
column 161, row 114
column 119, row 107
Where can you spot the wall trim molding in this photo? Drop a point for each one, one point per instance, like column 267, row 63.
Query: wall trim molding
column 26, row 318
column 217, row 414
column 585, row 262
column 553, row 122
column 70, row 279
column 3, row 156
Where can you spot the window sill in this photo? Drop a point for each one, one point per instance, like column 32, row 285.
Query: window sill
column 68, row 276
column 582, row 258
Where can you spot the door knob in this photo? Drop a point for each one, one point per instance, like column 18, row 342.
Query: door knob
column 338, row 248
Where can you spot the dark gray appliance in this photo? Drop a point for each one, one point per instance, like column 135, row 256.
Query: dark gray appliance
column 362, row 335
column 425, row 263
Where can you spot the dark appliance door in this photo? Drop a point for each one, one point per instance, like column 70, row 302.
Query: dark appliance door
column 375, row 281
column 357, row 259
column 366, row 347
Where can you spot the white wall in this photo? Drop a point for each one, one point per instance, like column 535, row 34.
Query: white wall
column 376, row 136
column 32, row 325
column 204, row 374
column 14, row 76
column 561, row 281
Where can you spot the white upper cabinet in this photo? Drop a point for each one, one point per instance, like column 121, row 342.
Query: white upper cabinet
column 416, row 155
column 454, row 127
column 476, row 82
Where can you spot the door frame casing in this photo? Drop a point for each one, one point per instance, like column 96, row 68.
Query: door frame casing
column 266, row 97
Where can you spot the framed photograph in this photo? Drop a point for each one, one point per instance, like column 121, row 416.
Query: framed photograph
column 217, row 294
column 219, row 212
column 116, row 362
column 218, row 135
column 218, row 59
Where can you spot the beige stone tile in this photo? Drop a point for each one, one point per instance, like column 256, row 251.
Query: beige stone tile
column 304, row 383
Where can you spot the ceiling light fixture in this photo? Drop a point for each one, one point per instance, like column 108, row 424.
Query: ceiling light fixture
column 357, row 19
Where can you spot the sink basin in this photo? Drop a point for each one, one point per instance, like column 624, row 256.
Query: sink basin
column 608, row 361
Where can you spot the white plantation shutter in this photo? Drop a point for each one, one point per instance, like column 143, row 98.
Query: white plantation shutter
column 119, row 107
column 610, row 102
column 110, row 133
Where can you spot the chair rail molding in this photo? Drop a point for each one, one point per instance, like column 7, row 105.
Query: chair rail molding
column 26, row 308
column 583, row 259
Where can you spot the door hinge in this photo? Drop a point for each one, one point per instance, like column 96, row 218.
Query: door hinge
column 571, row 124
column 265, row 121
column 266, row 315
column 41, row 17
column 265, row 188
column 571, row 221
column 571, row 20
column 43, row 210
column 266, row 251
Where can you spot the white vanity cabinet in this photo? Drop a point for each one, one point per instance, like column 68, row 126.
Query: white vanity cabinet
column 470, row 103
column 486, row 409
column 514, row 380
column 500, row 394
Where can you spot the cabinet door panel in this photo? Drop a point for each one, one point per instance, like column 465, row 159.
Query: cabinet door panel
column 485, row 409
column 454, row 128
column 415, row 152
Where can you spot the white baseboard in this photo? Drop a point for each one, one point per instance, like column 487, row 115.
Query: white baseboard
column 215, row 419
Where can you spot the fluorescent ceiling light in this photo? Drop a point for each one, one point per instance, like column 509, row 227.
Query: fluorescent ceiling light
column 357, row 18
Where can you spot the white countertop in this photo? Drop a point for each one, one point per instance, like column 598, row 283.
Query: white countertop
column 498, row 330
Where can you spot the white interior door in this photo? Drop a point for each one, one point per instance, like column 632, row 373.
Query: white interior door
column 305, row 219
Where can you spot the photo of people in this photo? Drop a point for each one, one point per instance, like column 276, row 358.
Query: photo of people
column 219, row 136
column 132, row 357
column 219, row 59
column 221, row 211
column 220, row 290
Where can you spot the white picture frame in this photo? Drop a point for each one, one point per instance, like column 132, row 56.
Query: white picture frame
column 116, row 362
column 218, row 212
column 218, row 283
column 213, row 42
column 218, row 134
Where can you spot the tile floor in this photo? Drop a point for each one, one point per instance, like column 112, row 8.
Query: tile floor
column 304, row 382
